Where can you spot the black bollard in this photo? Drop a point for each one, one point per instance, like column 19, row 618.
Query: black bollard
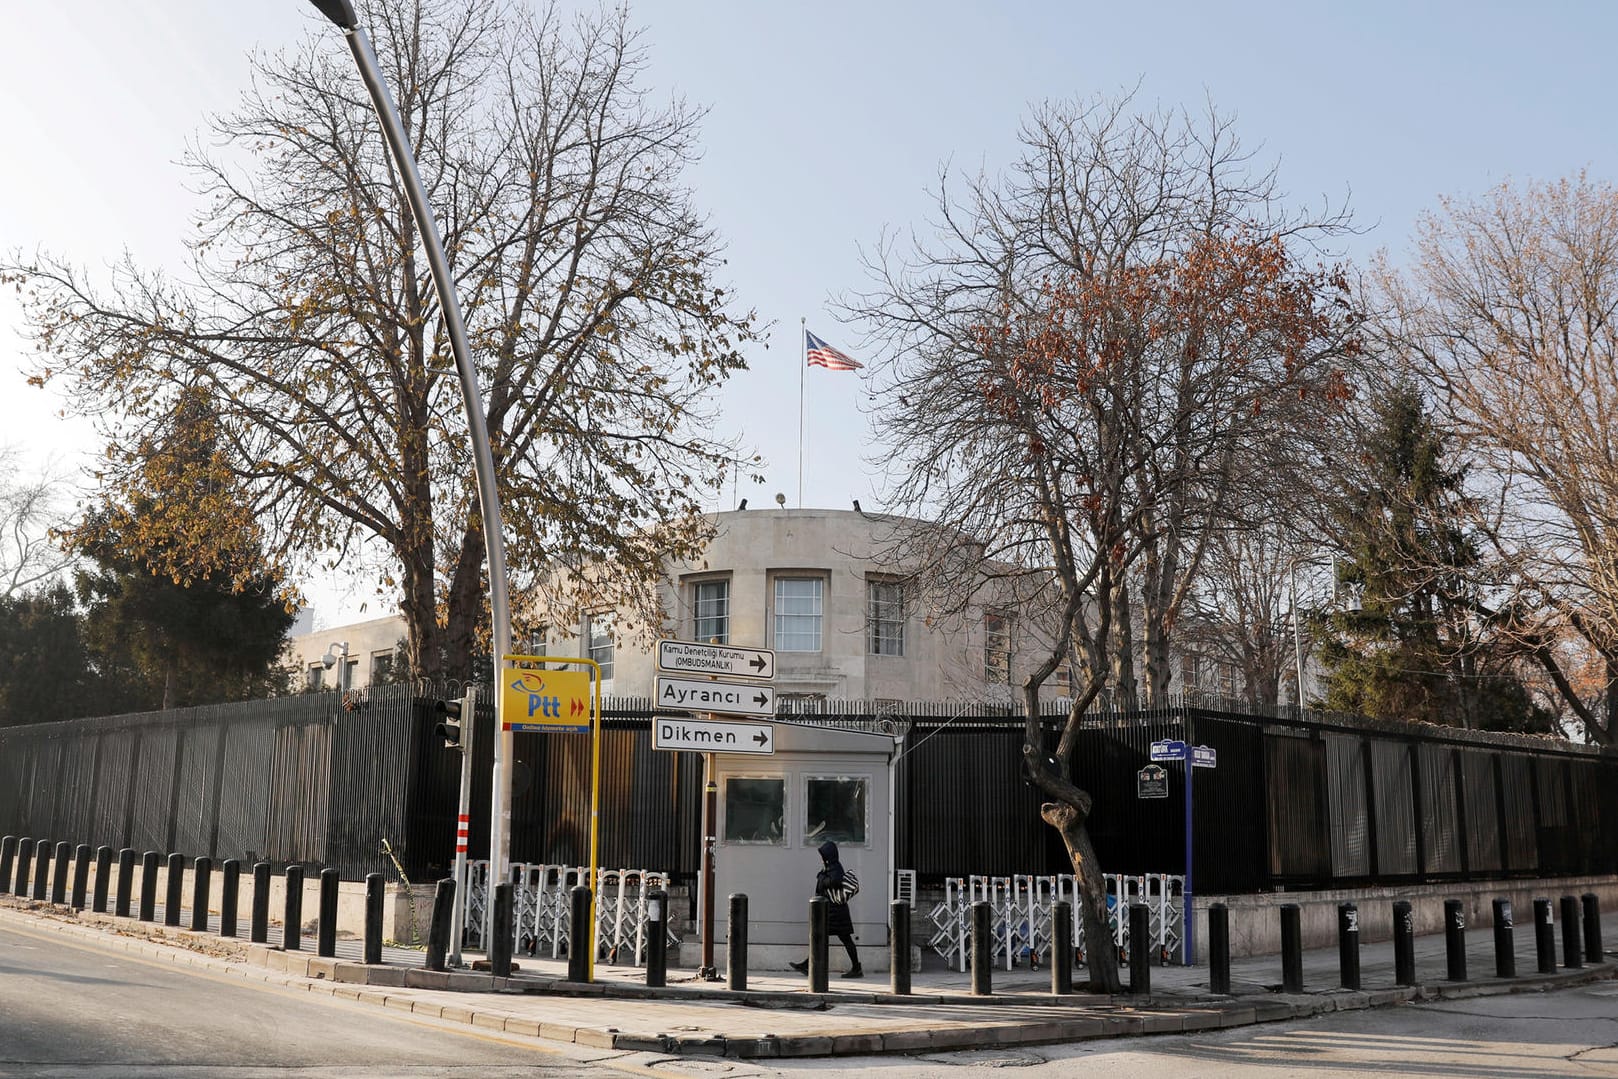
column 579, row 935
column 1061, row 949
column 98, row 893
column 982, row 950
column 1505, row 952
column 148, row 886
column 1572, row 946
column 25, row 862
column 42, row 868
column 59, row 874
column 503, row 929
column 326, row 933
column 375, row 893
column 126, row 882
column 201, row 886
column 1140, row 949
column 1404, row 944
column 1219, row 949
column 230, row 892
column 438, row 928
column 292, row 919
column 258, row 924
column 657, row 938
column 736, row 943
column 176, row 886
column 1291, row 948
column 81, row 875
column 817, row 945
column 1348, row 945
column 1455, row 940
column 8, row 860
column 899, row 947
column 1544, row 936
column 1592, row 927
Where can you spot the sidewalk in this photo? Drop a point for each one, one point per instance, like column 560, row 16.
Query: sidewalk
column 777, row 1017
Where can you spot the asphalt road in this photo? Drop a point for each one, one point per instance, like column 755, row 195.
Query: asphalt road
column 68, row 1009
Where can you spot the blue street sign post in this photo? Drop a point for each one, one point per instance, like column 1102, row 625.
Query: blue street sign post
column 1194, row 757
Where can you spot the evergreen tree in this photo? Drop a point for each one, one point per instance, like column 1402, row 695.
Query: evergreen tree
column 45, row 671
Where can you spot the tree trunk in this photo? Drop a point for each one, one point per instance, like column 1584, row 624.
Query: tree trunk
column 1124, row 686
column 1100, row 953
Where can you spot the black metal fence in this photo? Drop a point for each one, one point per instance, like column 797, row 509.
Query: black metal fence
column 1295, row 801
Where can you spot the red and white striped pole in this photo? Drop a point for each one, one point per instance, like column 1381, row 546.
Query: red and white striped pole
column 463, row 825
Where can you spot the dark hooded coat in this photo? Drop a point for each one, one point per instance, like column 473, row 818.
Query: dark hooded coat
column 830, row 884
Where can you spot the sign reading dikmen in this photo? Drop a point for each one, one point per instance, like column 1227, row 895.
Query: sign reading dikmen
column 548, row 701
column 713, row 735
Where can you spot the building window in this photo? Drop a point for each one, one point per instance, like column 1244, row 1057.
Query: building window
column 797, row 613
column 885, row 615
column 317, row 677
column 997, row 649
column 710, row 612
column 1064, row 679
column 755, row 810
column 382, row 667
column 348, row 673
column 601, row 648
column 834, row 809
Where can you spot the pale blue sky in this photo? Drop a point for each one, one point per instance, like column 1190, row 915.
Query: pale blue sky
column 830, row 121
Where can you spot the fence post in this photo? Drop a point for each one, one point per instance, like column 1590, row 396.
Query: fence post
column 98, row 894
column 580, row 935
column 503, row 928
column 201, row 885
column 899, row 947
column 1348, row 945
column 982, row 950
column 258, row 928
column 42, row 867
column 148, row 886
column 1592, row 927
column 175, row 885
column 1404, row 944
column 1455, row 939
column 126, row 881
column 8, row 859
column 1291, row 948
column 230, row 891
column 657, row 938
column 1505, row 954
column 1219, row 949
column 817, row 945
column 25, row 861
column 59, row 873
column 326, row 932
column 736, row 943
column 1061, row 949
column 81, row 875
column 1544, row 936
column 438, row 928
column 1572, row 947
column 375, row 892
column 292, row 918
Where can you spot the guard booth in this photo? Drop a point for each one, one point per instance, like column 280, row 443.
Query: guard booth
column 775, row 810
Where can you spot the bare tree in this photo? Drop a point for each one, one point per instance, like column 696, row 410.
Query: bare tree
column 309, row 319
column 1508, row 311
column 30, row 509
column 1076, row 372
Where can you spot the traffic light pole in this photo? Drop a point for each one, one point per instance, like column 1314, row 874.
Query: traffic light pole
column 463, row 825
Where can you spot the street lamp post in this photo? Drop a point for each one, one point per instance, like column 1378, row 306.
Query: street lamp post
column 341, row 13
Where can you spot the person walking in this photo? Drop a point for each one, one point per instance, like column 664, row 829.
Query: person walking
column 836, row 886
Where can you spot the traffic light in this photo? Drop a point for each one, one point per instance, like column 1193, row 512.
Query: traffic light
column 449, row 728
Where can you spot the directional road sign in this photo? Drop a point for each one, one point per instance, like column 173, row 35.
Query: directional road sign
column 1204, row 757
column 719, row 659
column 713, row 735
column 730, row 698
column 1170, row 750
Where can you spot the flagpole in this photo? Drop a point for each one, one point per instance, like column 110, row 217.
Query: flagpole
column 803, row 361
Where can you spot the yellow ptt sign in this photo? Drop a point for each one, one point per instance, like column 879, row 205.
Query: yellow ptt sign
column 549, row 701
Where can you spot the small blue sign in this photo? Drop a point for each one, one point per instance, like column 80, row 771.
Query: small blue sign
column 1204, row 757
column 1170, row 750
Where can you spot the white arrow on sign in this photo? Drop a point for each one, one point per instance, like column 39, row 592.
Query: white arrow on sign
column 712, row 735
column 717, row 659
column 730, row 698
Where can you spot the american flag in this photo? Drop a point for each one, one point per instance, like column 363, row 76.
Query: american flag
column 823, row 355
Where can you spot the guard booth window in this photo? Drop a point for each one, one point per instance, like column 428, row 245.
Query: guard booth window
column 755, row 810
column 834, row 809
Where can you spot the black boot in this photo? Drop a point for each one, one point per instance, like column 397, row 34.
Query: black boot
column 855, row 971
column 801, row 968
